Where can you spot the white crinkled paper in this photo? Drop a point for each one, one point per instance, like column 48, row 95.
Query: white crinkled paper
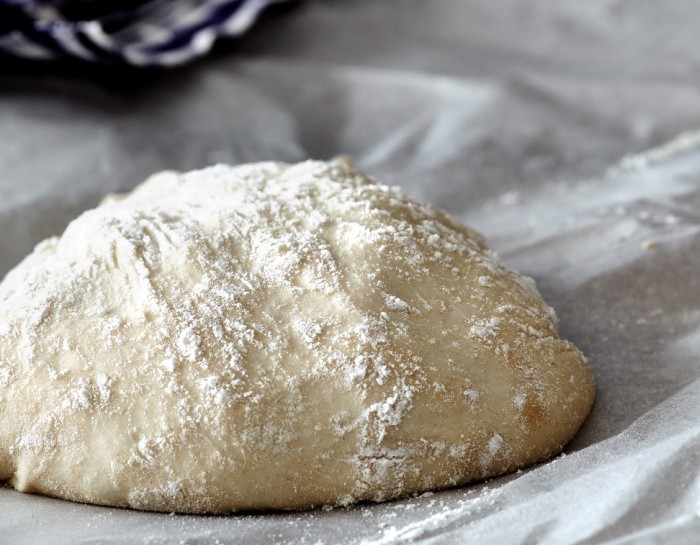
column 530, row 121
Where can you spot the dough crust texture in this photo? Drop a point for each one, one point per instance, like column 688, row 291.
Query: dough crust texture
column 274, row 336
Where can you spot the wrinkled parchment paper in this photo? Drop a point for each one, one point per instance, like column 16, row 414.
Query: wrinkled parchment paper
column 514, row 115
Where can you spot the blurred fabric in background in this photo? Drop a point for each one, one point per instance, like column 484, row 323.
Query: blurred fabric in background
column 136, row 32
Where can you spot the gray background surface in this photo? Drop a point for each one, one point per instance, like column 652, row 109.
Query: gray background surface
column 513, row 115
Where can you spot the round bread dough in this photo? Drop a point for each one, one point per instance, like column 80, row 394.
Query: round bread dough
column 274, row 336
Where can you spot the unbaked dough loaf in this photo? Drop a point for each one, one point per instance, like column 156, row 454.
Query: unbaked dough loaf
column 274, row 336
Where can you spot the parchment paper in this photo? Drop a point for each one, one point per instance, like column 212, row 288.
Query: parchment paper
column 515, row 116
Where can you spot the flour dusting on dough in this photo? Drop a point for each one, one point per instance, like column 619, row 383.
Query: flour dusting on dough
column 274, row 335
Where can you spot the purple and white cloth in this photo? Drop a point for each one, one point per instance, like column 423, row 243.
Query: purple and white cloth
column 134, row 32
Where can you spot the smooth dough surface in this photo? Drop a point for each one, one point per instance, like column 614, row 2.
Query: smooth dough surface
column 274, row 336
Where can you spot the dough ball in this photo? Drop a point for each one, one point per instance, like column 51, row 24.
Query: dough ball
column 274, row 336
